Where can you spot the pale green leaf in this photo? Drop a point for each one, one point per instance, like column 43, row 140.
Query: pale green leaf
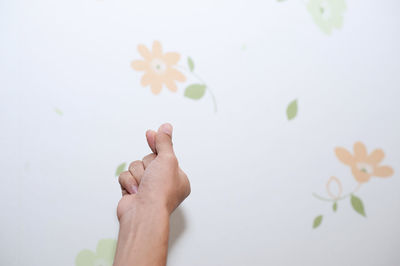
column 358, row 205
column 291, row 110
column 58, row 111
column 334, row 207
column 106, row 249
column 317, row 221
column 85, row 257
column 195, row 91
column 120, row 169
column 190, row 64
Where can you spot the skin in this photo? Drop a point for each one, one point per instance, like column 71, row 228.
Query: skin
column 151, row 190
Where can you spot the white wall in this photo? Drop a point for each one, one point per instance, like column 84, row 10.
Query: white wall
column 252, row 170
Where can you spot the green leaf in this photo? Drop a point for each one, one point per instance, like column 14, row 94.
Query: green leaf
column 120, row 169
column 357, row 204
column 195, row 91
column 317, row 221
column 291, row 110
column 334, row 207
column 58, row 111
column 190, row 64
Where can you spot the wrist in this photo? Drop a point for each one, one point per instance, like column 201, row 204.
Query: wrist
column 143, row 230
column 152, row 201
column 144, row 209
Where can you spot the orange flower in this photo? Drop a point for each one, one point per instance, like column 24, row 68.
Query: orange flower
column 363, row 166
column 158, row 68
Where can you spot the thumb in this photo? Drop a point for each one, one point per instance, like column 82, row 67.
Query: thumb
column 164, row 139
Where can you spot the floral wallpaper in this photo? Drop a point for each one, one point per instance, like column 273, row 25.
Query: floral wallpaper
column 268, row 99
column 363, row 166
column 161, row 69
column 103, row 256
column 327, row 14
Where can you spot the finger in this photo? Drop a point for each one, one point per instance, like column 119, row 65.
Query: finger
column 136, row 169
column 128, row 183
column 164, row 139
column 147, row 159
column 151, row 139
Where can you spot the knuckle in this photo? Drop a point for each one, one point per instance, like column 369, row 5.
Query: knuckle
column 170, row 158
column 150, row 156
column 185, row 177
column 123, row 177
column 134, row 164
column 188, row 187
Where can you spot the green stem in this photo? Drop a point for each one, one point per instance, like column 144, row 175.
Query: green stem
column 202, row 81
column 339, row 198
column 213, row 98
column 321, row 198
column 333, row 200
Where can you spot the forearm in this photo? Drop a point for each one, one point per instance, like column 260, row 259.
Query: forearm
column 143, row 237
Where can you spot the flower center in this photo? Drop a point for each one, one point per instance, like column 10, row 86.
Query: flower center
column 158, row 66
column 364, row 167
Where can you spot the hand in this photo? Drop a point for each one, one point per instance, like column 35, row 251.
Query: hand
column 155, row 181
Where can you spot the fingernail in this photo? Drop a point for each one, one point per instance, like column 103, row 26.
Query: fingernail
column 167, row 129
column 134, row 189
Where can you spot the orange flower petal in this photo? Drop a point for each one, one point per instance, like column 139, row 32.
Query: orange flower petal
column 156, row 87
column 171, row 58
column 147, row 79
column 360, row 152
column 375, row 157
column 174, row 74
column 344, row 156
column 360, row 176
column 143, row 51
column 157, row 50
column 139, row 65
column 171, row 85
column 383, row 171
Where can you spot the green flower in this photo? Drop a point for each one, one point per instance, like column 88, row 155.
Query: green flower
column 104, row 255
column 327, row 14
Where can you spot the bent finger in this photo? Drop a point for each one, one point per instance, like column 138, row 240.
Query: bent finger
column 148, row 159
column 128, row 183
column 136, row 169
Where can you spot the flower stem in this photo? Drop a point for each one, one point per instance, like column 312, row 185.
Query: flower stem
column 202, row 81
column 213, row 98
column 357, row 188
column 338, row 198
column 321, row 198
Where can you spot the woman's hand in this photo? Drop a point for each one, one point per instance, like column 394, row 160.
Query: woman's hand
column 157, row 180
column 151, row 190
